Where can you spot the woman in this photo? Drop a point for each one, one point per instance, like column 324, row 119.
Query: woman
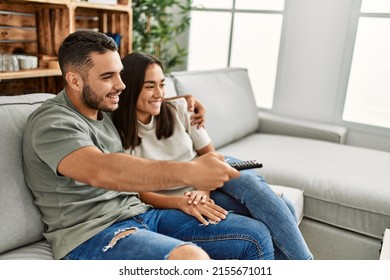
column 154, row 128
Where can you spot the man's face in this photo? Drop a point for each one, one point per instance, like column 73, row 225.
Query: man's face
column 103, row 85
column 94, row 101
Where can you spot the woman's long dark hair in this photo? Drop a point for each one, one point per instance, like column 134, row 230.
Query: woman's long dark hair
column 125, row 117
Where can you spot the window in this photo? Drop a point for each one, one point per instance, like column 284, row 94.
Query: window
column 238, row 33
column 368, row 92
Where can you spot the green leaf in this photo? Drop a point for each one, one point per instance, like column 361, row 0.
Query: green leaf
column 156, row 27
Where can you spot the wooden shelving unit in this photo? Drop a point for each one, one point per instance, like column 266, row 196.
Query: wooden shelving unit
column 37, row 27
column 34, row 73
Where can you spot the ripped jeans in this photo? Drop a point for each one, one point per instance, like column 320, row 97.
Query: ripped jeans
column 155, row 233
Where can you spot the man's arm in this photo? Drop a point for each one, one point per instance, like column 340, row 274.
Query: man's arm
column 123, row 172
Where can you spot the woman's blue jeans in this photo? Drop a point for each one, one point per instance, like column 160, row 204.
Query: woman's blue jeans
column 250, row 195
column 155, row 233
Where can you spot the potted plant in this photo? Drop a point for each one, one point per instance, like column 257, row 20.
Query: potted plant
column 156, row 27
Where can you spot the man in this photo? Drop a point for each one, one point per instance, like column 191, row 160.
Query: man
column 86, row 187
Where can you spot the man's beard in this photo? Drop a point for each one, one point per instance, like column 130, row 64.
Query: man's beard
column 93, row 101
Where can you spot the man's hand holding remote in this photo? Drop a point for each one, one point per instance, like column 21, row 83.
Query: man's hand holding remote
column 210, row 171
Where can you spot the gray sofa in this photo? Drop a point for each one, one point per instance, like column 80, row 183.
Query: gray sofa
column 340, row 193
column 346, row 189
column 21, row 225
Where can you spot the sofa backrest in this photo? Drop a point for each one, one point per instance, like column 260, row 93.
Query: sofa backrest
column 20, row 219
column 170, row 89
column 227, row 94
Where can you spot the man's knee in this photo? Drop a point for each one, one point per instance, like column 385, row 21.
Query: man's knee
column 188, row 252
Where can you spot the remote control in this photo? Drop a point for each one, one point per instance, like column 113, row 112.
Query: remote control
column 249, row 164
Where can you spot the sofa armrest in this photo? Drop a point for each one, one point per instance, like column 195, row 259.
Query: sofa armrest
column 276, row 124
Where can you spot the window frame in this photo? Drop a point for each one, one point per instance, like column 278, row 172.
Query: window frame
column 233, row 11
column 356, row 14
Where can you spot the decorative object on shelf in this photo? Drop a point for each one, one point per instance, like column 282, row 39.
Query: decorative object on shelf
column 53, row 64
column 27, row 62
column 16, row 62
column 156, row 26
column 116, row 37
column 48, row 61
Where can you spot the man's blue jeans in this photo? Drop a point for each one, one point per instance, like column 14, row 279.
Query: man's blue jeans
column 155, row 233
column 251, row 196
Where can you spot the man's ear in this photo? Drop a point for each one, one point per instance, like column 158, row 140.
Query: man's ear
column 74, row 81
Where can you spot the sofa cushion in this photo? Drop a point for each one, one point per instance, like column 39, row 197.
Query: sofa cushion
column 170, row 89
column 20, row 219
column 40, row 250
column 228, row 97
column 344, row 186
column 272, row 123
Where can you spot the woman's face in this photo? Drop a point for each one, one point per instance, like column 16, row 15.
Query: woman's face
column 150, row 99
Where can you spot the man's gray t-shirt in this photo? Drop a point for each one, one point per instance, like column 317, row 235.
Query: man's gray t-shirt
column 72, row 211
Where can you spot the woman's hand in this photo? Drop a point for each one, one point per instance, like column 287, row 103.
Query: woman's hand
column 206, row 213
column 198, row 196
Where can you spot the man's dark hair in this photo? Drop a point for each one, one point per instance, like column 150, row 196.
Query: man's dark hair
column 75, row 51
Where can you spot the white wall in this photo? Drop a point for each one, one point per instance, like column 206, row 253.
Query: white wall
column 316, row 42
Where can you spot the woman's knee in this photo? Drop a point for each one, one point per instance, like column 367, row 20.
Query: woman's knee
column 188, row 252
